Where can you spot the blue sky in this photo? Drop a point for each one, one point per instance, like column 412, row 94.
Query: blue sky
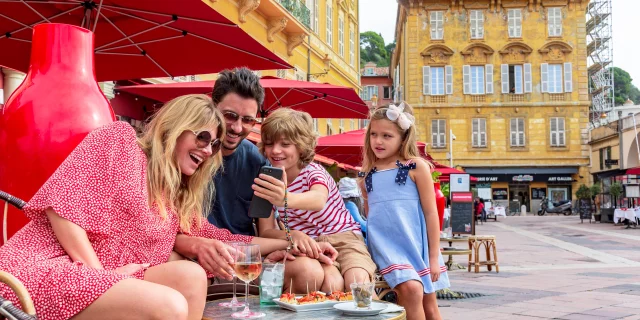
column 380, row 16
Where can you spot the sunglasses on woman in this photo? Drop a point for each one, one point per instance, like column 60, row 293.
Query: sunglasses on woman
column 203, row 138
column 233, row 117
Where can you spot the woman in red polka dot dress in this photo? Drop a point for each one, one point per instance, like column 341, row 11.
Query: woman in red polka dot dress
column 103, row 227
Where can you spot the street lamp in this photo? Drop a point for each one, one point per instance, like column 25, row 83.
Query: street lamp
column 451, row 138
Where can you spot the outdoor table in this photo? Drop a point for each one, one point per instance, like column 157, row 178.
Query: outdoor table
column 623, row 213
column 449, row 263
column 499, row 211
column 212, row 311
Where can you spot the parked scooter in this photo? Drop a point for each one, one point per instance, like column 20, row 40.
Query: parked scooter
column 547, row 205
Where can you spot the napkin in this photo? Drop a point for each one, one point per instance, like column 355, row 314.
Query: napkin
column 392, row 308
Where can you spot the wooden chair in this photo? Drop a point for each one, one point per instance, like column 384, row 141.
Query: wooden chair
column 7, row 309
column 489, row 242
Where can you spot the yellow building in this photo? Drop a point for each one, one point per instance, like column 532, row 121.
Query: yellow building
column 507, row 79
column 320, row 38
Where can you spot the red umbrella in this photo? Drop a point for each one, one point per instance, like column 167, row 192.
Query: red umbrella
column 347, row 147
column 318, row 99
column 138, row 39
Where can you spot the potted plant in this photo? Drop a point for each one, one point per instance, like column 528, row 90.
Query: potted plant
column 615, row 190
column 595, row 191
column 584, row 202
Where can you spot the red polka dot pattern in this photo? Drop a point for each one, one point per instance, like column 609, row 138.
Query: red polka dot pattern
column 102, row 188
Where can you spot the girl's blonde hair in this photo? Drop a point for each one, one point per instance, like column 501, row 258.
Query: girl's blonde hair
column 188, row 196
column 408, row 149
column 295, row 126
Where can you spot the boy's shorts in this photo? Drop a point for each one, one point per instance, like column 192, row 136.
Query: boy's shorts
column 352, row 252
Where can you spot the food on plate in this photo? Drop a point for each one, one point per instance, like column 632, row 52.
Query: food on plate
column 313, row 297
column 340, row 296
column 288, row 298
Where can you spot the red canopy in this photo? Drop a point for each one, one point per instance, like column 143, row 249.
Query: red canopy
column 347, row 147
column 318, row 99
column 139, row 39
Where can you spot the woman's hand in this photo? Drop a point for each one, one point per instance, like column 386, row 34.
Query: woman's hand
column 270, row 188
column 278, row 256
column 131, row 268
column 216, row 257
column 305, row 244
column 435, row 269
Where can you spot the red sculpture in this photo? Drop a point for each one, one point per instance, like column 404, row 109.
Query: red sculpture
column 440, row 202
column 55, row 107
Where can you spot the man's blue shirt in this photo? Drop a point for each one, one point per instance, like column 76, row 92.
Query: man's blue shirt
column 233, row 189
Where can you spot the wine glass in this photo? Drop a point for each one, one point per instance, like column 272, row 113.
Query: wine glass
column 247, row 267
column 234, row 301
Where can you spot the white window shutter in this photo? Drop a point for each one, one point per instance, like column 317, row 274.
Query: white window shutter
column 426, row 80
column 441, row 132
column 480, row 28
column 482, row 127
column 448, row 70
column 544, row 77
column 553, row 122
column 561, row 132
column 375, row 91
column 489, row 85
column 434, row 133
column 514, row 132
column 568, row 77
column 475, row 132
column 521, row 132
column 466, row 79
column 527, row 78
column 504, row 76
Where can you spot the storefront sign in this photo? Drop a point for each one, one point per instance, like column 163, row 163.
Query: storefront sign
column 524, row 178
column 500, row 194
column 611, row 162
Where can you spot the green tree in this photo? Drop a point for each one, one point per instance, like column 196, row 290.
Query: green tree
column 390, row 47
column 623, row 88
column 372, row 49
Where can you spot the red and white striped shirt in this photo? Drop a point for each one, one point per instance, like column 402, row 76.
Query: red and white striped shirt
column 333, row 218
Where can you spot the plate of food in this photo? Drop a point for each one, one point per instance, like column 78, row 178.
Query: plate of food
column 312, row 301
column 350, row 309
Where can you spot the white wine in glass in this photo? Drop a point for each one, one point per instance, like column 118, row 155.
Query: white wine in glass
column 234, row 303
column 247, row 267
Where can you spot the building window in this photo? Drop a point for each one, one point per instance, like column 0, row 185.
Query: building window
column 369, row 72
column 329, row 21
column 552, row 77
column 438, row 136
column 605, row 154
column 316, row 10
column 315, row 125
column 329, row 127
column 554, row 19
column 386, row 92
column 352, row 44
column 479, row 133
column 515, row 23
column 478, row 79
column 341, row 33
column 477, row 24
column 312, row 6
column 437, row 80
column 557, row 132
column 517, row 132
column 437, row 25
column 353, row 124
column 368, row 92
column 516, row 79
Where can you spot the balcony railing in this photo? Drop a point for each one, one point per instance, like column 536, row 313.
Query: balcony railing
column 299, row 10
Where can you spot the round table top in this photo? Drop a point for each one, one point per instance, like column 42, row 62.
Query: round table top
column 213, row 311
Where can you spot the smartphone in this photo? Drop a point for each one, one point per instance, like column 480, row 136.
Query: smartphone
column 261, row 208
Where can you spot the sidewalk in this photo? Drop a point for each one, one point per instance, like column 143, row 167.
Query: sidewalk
column 552, row 267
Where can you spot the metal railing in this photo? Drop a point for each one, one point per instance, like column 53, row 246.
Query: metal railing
column 298, row 9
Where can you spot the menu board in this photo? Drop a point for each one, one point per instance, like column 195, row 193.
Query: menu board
column 585, row 209
column 538, row 193
column 462, row 217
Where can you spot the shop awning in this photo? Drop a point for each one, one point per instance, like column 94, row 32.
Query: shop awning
column 635, row 171
column 529, row 170
column 553, row 175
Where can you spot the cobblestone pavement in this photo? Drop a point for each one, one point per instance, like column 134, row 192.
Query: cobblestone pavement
column 552, row 267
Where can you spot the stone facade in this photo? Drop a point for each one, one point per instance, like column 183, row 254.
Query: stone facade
column 489, row 57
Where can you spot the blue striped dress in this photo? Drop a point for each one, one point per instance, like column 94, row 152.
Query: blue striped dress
column 397, row 231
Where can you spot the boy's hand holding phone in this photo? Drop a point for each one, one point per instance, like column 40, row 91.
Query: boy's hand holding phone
column 270, row 188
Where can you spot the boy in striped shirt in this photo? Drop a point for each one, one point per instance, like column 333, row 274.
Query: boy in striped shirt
column 315, row 209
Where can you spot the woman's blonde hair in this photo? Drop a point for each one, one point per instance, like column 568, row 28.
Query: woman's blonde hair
column 408, row 149
column 188, row 196
column 295, row 126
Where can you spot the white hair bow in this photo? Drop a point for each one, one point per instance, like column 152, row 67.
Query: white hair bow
column 397, row 114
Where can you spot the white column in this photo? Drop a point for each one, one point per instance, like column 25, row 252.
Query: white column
column 12, row 80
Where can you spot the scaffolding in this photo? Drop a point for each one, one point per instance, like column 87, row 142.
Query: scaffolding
column 600, row 60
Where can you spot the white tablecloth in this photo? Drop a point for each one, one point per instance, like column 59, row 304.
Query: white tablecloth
column 621, row 214
column 497, row 211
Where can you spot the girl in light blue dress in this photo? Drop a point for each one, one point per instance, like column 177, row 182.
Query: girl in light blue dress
column 402, row 219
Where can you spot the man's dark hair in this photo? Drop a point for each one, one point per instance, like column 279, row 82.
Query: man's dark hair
column 240, row 81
